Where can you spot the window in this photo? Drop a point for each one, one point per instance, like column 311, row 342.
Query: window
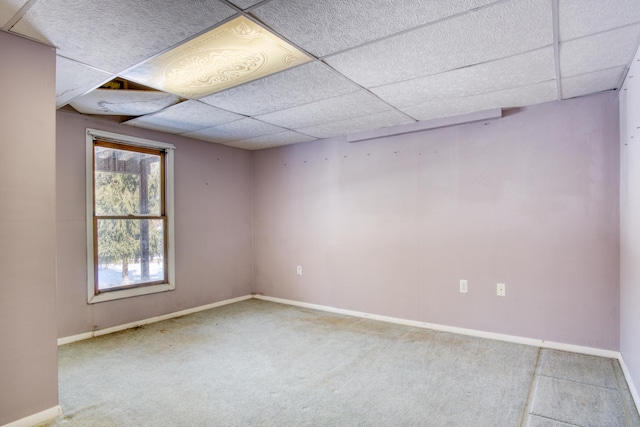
column 129, row 216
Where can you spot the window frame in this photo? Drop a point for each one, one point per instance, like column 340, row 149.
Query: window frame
column 93, row 296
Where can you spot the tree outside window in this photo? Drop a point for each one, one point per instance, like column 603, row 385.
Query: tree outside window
column 129, row 217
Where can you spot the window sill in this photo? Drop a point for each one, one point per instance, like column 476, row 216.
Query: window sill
column 128, row 293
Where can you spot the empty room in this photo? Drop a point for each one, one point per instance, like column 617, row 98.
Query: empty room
column 320, row 212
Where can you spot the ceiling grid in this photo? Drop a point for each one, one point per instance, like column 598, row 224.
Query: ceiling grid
column 373, row 63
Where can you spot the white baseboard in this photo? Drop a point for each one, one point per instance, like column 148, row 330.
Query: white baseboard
column 38, row 418
column 632, row 387
column 97, row 333
column 462, row 331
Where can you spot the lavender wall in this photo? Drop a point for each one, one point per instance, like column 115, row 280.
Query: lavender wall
column 389, row 226
column 212, row 228
column 630, row 222
column 28, row 352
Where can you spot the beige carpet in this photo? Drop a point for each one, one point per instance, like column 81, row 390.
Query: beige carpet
column 257, row 363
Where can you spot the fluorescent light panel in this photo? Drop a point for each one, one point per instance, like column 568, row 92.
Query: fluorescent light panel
column 234, row 53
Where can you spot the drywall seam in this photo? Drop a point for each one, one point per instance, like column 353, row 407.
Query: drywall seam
column 252, row 286
column 632, row 387
column 97, row 333
column 40, row 417
column 591, row 351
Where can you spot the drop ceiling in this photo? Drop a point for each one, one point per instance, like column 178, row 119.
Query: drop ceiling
column 369, row 64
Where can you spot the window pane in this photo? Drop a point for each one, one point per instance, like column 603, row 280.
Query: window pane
column 130, row 252
column 127, row 182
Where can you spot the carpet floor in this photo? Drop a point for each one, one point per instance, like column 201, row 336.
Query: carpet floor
column 258, row 363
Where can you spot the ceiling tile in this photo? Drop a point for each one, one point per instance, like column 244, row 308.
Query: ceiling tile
column 595, row 53
column 327, row 26
column 358, row 124
column 73, row 79
column 240, row 129
column 515, row 97
column 123, row 102
column 495, row 32
column 579, row 18
column 592, row 82
column 342, row 107
column 8, row 9
column 273, row 140
column 117, row 34
column 184, row 117
column 298, row 86
column 520, row 70
column 430, row 59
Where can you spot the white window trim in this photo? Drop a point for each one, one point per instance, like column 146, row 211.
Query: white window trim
column 92, row 135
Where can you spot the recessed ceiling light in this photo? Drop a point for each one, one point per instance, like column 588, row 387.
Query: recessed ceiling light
column 234, row 53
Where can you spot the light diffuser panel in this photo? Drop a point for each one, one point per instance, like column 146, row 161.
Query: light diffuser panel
column 234, row 53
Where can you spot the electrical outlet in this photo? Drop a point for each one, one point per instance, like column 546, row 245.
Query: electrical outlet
column 299, row 270
column 464, row 286
column 501, row 289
